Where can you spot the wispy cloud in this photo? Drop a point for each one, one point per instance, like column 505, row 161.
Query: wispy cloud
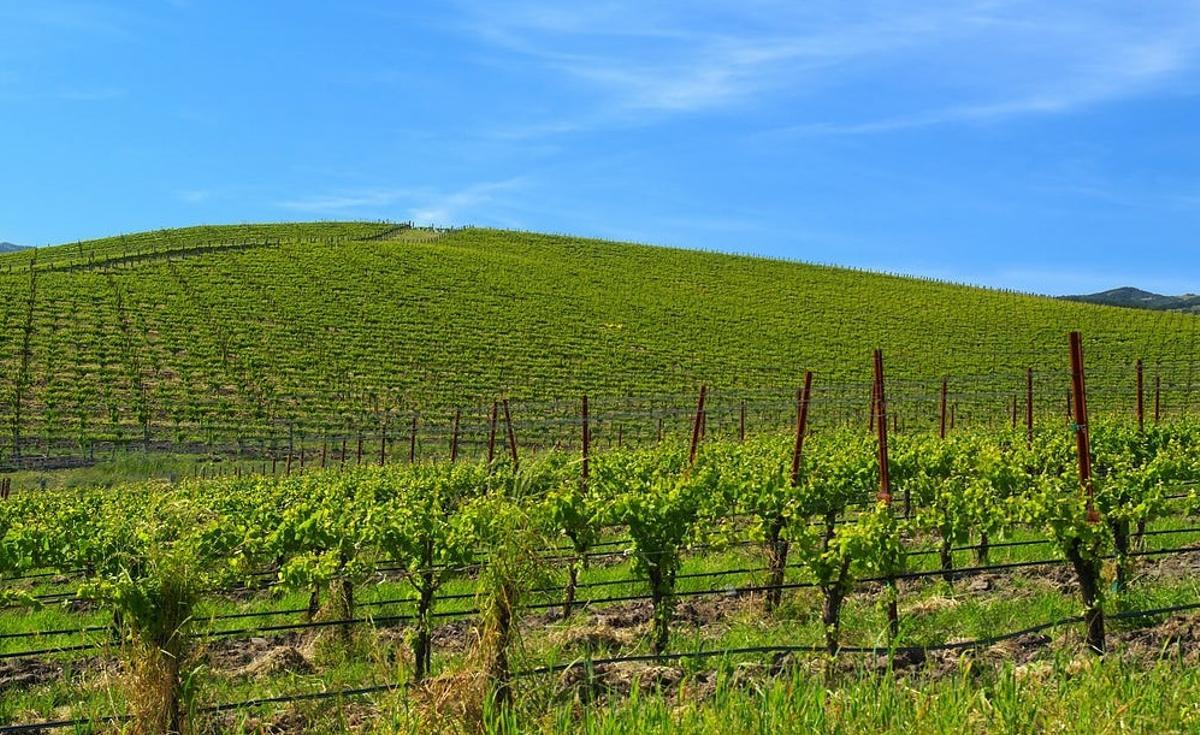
column 101, row 94
column 194, row 196
column 422, row 205
column 450, row 208
column 349, row 200
column 904, row 65
column 59, row 16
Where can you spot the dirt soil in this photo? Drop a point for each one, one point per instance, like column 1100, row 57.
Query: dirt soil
column 1176, row 637
column 23, row 673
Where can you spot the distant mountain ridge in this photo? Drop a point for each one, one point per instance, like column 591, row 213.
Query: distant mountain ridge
column 1136, row 298
column 9, row 247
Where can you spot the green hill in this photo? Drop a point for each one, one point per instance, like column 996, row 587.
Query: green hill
column 1136, row 298
column 240, row 333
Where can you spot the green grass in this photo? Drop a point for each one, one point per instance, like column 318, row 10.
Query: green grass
column 320, row 329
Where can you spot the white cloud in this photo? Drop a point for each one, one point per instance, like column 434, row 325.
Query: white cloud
column 66, row 16
column 452, row 207
column 979, row 61
column 194, row 196
column 422, row 205
column 349, row 200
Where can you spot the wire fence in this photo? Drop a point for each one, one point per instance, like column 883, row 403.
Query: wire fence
column 310, row 435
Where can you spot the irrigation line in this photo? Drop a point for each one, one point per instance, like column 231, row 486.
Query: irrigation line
column 871, row 650
column 676, row 656
column 49, row 651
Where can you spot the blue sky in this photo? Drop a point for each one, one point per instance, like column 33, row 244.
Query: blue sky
column 1045, row 146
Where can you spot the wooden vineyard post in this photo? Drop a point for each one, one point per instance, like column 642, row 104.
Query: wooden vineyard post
column 1141, row 397
column 342, row 460
column 512, row 437
column 454, row 435
column 360, row 447
column 288, row 468
column 742, row 422
column 697, row 425
column 412, row 441
column 324, row 452
column 1087, row 569
column 383, row 444
column 492, row 435
column 942, row 425
column 885, row 484
column 1029, row 407
column 1014, row 413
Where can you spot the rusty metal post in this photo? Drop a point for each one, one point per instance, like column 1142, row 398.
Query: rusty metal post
column 1082, row 439
column 1086, row 569
column 942, row 425
column 1029, row 407
column 803, row 396
column 512, row 437
column 1157, row 398
column 586, row 440
column 697, row 425
column 874, row 404
column 885, row 487
column 492, row 434
column 1141, row 397
column 880, row 412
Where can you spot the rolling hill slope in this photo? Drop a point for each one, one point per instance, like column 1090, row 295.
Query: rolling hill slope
column 1136, row 298
column 264, row 332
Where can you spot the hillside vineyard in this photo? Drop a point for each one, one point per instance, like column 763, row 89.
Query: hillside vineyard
column 264, row 333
